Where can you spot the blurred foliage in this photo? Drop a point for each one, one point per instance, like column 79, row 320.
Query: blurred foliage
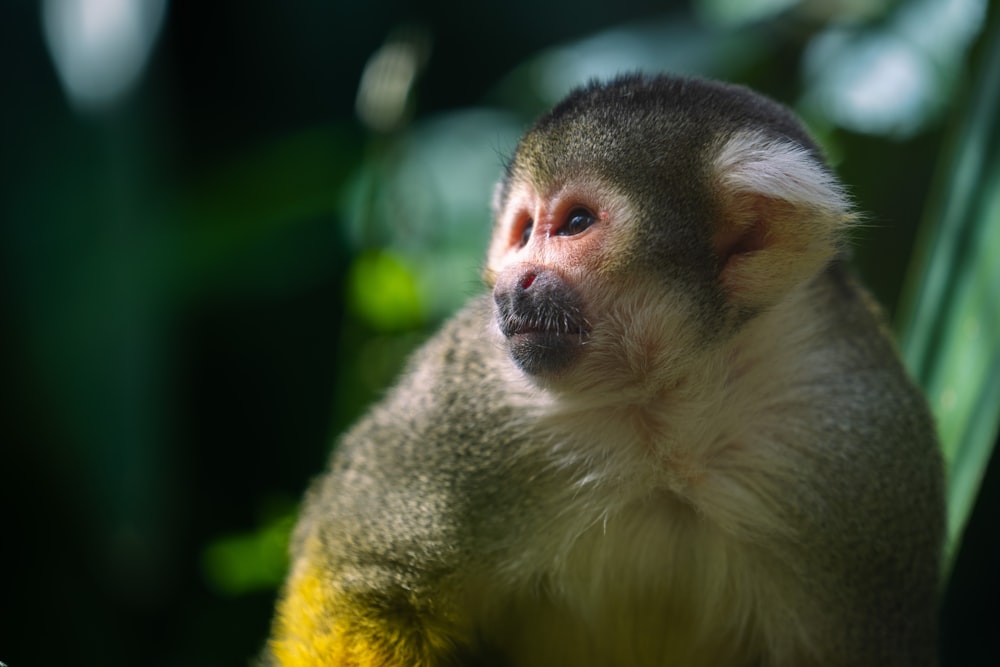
column 951, row 328
column 243, row 563
column 383, row 292
column 219, row 252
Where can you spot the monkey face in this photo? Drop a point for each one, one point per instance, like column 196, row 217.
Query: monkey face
column 581, row 300
column 637, row 227
column 549, row 246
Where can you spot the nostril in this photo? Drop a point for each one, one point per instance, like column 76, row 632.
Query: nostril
column 527, row 279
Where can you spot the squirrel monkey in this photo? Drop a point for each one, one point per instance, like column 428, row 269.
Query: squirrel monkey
column 675, row 433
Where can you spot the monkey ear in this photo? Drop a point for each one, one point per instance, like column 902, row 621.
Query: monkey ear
column 782, row 219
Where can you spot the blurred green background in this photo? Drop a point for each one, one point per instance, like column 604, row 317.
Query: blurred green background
column 225, row 224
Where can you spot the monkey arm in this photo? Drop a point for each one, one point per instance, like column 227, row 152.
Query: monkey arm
column 321, row 622
column 377, row 577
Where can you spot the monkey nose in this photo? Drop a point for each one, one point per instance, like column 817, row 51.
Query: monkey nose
column 525, row 281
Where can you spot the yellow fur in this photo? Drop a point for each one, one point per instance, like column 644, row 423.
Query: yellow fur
column 315, row 627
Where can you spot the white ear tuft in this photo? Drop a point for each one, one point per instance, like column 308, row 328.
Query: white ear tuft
column 783, row 215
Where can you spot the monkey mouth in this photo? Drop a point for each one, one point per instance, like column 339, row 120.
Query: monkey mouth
column 526, row 327
column 542, row 319
column 543, row 346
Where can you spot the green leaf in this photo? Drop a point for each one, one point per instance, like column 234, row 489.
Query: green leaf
column 245, row 563
column 950, row 326
column 383, row 292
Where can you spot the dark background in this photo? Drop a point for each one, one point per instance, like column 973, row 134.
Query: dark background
column 210, row 276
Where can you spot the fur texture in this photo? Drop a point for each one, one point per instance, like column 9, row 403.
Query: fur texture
column 677, row 436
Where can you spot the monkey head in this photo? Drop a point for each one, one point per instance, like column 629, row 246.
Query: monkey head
column 648, row 218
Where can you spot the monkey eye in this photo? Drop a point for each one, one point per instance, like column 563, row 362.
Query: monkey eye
column 577, row 221
column 526, row 232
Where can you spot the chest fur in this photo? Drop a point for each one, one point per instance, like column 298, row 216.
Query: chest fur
column 653, row 584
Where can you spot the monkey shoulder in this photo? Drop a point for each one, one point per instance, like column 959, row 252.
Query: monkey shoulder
column 822, row 380
column 456, row 390
column 876, row 439
column 425, row 465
